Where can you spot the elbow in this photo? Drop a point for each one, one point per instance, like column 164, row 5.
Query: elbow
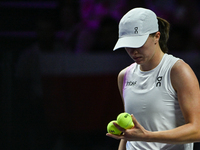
column 197, row 134
column 193, row 133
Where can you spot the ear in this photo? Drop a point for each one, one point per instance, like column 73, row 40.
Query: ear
column 157, row 37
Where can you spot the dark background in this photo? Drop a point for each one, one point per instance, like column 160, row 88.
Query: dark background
column 58, row 74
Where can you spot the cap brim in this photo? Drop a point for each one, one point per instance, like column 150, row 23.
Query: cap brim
column 132, row 42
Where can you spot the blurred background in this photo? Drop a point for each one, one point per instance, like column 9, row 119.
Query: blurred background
column 58, row 73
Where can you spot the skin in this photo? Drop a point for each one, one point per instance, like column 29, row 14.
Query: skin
column 184, row 83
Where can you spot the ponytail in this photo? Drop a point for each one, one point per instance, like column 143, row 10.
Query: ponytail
column 164, row 27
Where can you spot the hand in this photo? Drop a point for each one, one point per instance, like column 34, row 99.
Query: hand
column 137, row 133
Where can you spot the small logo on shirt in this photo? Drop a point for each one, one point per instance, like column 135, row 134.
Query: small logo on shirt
column 159, row 79
column 131, row 83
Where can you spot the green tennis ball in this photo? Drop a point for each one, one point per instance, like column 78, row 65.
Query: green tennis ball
column 124, row 120
column 112, row 129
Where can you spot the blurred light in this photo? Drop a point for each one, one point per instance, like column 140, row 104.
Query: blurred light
column 24, row 34
column 50, row 4
column 18, row 34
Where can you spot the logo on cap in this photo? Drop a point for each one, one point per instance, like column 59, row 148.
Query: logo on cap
column 136, row 30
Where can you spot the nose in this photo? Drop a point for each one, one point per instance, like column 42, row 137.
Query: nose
column 132, row 51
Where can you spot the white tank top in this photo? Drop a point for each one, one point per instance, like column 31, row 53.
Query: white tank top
column 150, row 97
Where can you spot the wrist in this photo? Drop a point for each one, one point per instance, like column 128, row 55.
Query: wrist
column 148, row 136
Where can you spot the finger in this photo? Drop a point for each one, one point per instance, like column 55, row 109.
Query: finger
column 134, row 120
column 118, row 127
column 136, row 123
column 117, row 137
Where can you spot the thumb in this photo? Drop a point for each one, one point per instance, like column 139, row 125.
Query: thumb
column 136, row 123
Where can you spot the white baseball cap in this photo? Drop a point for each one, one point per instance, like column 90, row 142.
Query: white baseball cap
column 135, row 27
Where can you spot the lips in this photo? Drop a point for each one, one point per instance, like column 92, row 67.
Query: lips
column 137, row 58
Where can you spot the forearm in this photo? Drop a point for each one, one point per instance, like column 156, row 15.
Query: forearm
column 183, row 134
column 122, row 145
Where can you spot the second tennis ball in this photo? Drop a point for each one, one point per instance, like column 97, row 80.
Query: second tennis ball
column 112, row 129
column 124, row 120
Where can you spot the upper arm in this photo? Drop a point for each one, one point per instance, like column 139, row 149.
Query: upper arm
column 120, row 81
column 186, row 85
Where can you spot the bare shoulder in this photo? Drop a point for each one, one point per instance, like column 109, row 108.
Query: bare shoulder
column 122, row 74
column 182, row 75
column 181, row 68
column 120, row 79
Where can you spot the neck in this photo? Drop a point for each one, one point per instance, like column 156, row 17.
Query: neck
column 153, row 61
